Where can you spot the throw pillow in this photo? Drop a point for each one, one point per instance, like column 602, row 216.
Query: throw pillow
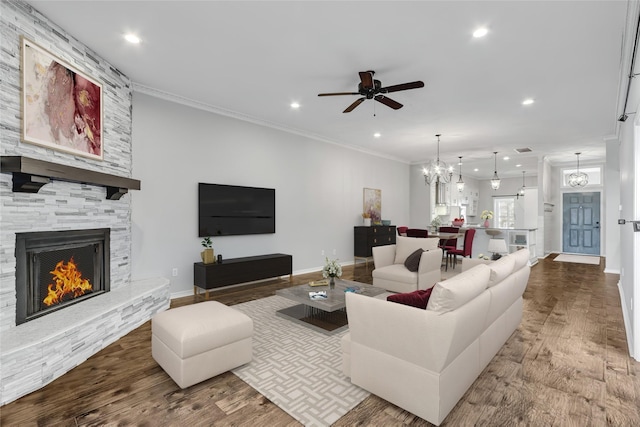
column 413, row 261
column 419, row 298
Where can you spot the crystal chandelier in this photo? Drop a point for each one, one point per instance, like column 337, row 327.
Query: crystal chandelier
column 436, row 170
column 495, row 181
column 578, row 179
column 460, row 183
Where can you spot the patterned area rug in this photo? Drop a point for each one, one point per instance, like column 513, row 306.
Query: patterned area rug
column 580, row 259
column 297, row 368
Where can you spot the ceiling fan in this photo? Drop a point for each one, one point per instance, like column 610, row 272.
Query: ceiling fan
column 372, row 89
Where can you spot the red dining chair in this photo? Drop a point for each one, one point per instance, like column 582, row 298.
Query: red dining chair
column 417, row 232
column 402, row 230
column 448, row 244
column 466, row 248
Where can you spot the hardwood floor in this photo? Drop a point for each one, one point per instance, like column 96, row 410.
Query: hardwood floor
column 567, row 364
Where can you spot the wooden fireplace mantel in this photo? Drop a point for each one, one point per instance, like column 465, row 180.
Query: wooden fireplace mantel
column 29, row 175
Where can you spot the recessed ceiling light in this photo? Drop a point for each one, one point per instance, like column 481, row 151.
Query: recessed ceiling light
column 480, row 32
column 376, row 135
column 506, row 158
column 132, row 38
column 518, row 165
column 295, row 105
column 528, row 101
column 476, row 170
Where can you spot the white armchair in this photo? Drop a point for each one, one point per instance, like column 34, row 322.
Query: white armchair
column 390, row 272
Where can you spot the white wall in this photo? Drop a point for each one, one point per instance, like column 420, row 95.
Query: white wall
column 629, row 284
column 612, row 208
column 318, row 189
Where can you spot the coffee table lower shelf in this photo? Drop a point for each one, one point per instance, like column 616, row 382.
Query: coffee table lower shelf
column 326, row 322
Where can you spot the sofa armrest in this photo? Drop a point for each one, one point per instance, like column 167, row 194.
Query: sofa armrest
column 429, row 269
column 421, row 337
column 383, row 255
column 393, row 328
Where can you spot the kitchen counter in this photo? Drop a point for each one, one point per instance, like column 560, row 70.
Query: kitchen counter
column 515, row 238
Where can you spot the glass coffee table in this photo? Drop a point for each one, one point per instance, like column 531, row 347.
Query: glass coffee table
column 329, row 315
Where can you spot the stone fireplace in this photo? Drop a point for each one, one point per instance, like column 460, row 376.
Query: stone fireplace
column 55, row 269
column 51, row 192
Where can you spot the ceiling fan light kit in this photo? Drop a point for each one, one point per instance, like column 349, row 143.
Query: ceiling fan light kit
column 369, row 88
column 495, row 181
column 578, row 179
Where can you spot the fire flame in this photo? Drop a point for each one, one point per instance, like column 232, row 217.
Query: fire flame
column 68, row 281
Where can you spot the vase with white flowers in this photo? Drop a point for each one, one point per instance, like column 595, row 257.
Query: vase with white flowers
column 331, row 270
column 486, row 215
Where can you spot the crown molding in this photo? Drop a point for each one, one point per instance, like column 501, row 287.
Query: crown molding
column 147, row 90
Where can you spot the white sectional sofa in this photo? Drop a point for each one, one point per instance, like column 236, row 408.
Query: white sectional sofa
column 424, row 360
column 390, row 272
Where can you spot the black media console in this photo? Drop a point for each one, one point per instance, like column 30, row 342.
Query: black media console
column 240, row 270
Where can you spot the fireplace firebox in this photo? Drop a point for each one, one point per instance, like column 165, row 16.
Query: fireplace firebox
column 55, row 269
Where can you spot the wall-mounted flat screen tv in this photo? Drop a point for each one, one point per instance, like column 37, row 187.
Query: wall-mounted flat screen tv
column 225, row 210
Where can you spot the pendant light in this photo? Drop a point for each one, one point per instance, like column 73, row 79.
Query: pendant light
column 495, row 181
column 437, row 171
column 521, row 191
column 578, row 179
column 460, row 183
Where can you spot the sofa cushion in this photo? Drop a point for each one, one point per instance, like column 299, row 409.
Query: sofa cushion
column 521, row 258
column 413, row 261
column 405, row 246
column 450, row 294
column 500, row 269
column 418, row 298
column 396, row 273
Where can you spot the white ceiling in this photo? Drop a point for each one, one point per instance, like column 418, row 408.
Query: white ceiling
column 252, row 59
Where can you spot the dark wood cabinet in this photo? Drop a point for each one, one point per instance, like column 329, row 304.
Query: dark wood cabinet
column 241, row 270
column 365, row 238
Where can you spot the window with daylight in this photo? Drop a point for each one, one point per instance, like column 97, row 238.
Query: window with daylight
column 504, row 209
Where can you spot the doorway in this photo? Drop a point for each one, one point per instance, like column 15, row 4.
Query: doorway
column 581, row 223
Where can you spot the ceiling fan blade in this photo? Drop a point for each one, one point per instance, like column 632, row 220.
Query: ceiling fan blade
column 388, row 102
column 366, row 77
column 403, row 86
column 338, row 93
column 354, row 105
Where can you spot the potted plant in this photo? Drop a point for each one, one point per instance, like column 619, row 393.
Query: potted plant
column 332, row 269
column 436, row 222
column 207, row 253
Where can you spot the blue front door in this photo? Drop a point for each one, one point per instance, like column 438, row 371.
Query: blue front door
column 581, row 223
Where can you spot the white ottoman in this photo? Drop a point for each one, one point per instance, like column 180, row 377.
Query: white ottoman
column 196, row 342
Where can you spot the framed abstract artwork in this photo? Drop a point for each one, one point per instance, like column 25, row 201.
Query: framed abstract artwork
column 61, row 106
column 372, row 204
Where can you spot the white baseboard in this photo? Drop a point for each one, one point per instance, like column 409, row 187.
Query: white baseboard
column 627, row 319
